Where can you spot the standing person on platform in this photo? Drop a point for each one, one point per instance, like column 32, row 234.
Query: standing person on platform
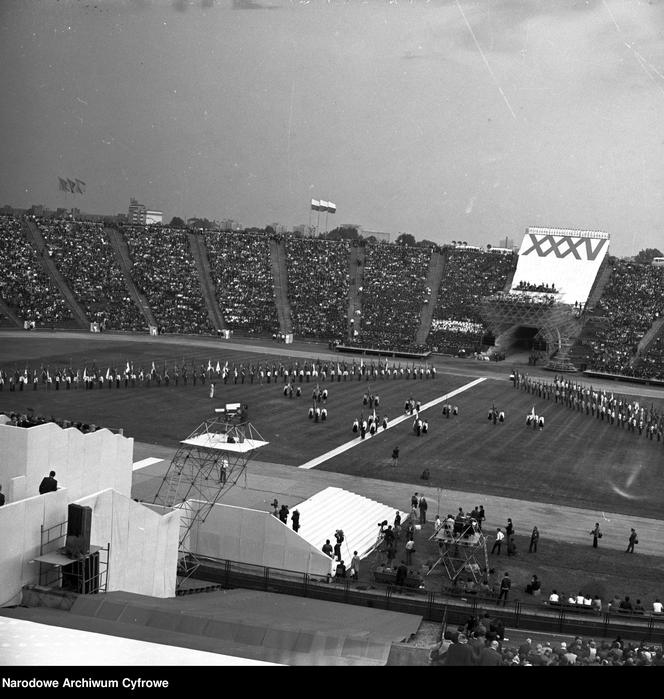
column 481, row 516
column 395, row 456
column 596, row 534
column 295, row 520
column 283, row 514
column 2, row 497
column 49, row 484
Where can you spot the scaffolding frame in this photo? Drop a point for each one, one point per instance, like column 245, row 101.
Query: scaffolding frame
column 209, row 462
column 558, row 323
column 88, row 572
column 463, row 548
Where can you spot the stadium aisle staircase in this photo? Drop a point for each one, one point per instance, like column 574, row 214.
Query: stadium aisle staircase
column 356, row 277
column 647, row 340
column 280, row 276
column 36, row 239
column 434, row 277
column 8, row 319
column 357, row 516
column 122, row 251
column 199, row 252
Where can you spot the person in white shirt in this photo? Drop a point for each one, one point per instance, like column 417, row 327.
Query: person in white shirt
column 554, row 597
column 657, row 606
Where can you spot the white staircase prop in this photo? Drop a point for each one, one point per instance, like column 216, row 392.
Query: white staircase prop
column 334, row 508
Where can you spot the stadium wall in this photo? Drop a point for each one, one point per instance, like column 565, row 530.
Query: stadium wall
column 84, row 463
column 20, row 533
column 257, row 538
column 143, row 543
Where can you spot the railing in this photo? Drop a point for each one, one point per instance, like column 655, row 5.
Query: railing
column 432, row 606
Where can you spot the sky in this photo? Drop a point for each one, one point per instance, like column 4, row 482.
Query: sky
column 447, row 119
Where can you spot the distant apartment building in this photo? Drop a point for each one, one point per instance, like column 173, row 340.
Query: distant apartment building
column 138, row 214
column 229, row 224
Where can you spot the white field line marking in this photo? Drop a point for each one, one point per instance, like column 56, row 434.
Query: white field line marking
column 392, row 423
column 150, row 461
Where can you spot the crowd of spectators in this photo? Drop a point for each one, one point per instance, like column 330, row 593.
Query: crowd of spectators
column 392, row 295
column 241, row 270
column 83, row 253
column 632, row 300
column 542, row 288
column 30, row 419
column 469, row 276
column 318, row 282
column 24, row 285
column 481, row 641
column 651, row 363
column 165, row 271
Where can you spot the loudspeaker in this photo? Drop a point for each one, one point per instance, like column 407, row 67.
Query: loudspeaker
column 79, row 525
column 82, row 576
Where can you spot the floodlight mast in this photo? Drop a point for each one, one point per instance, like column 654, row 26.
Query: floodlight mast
column 209, row 462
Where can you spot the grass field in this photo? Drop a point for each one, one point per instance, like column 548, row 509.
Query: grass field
column 576, row 460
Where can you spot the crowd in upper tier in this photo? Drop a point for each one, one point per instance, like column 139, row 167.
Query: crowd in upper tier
column 391, row 297
column 24, row 285
column 393, row 293
column 165, row 271
column 468, row 276
column 241, row 269
column 84, row 255
column 632, row 301
column 318, row 283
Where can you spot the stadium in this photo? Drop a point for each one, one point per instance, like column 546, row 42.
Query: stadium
column 186, row 385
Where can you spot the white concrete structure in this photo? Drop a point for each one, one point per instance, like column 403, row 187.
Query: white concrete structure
column 93, row 469
column 570, row 259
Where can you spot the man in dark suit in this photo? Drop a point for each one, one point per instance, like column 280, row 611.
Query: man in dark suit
column 48, row 484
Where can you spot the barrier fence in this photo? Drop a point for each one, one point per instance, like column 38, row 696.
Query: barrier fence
column 433, row 606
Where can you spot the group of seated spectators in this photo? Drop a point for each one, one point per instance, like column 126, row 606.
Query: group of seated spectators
column 84, row 255
column 240, row 267
column 392, row 295
column 164, row 269
column 318, row 282
column 468, row 276
column 24, row 285
column 32, row 420
column 632, row 301
column 542, row 288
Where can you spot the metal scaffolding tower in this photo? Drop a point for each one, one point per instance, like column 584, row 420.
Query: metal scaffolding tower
column 462, row 549
column 209, row 462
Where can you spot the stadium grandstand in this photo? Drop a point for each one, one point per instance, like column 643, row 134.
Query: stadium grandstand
column 157, row 534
